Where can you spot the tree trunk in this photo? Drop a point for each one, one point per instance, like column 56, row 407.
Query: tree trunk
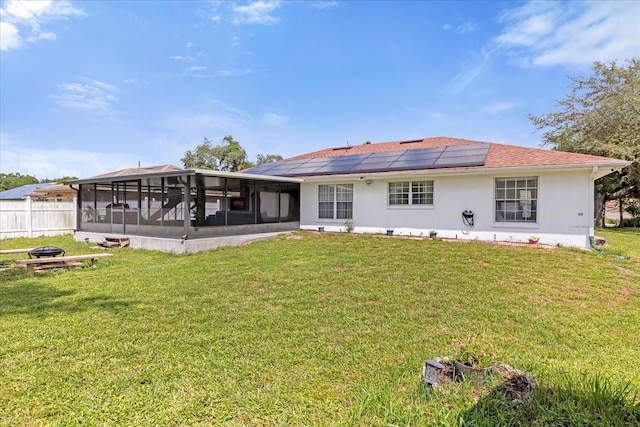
column 621, row 212
column 598, row 210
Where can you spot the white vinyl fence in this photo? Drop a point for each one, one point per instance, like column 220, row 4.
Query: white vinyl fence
column 28, row 218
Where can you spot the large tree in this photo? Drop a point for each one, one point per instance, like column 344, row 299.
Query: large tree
column 13, row 180
column 267, row 158
column 228, row 156
column 601, row 116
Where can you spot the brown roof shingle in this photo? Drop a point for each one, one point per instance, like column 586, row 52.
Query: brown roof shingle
column 139, row 171
column 500, row 155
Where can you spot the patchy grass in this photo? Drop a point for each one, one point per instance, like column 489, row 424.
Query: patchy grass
column 623, row 241
column 316, row 329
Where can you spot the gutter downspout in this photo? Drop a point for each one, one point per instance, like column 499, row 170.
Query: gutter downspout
column 592, row 216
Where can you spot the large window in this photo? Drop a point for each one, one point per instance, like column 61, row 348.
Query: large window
column 335, row 201
column 411, row 193
column 517, row 199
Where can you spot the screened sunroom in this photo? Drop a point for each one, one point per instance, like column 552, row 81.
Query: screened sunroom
column 187, row 204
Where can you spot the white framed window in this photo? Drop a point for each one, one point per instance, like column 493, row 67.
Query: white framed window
column 516, row 199
column 335, row 201
column 411, row 193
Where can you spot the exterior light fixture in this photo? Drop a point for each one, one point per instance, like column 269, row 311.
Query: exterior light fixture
column 431, row 372
column 368, row 182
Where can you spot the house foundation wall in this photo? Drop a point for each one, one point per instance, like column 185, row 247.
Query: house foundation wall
column 179, row 246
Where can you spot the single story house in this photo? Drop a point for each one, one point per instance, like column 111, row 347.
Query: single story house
column 458, row 188
column 53, row 193
column 20, row 193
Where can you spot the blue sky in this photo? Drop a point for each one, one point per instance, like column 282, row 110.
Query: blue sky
column 89, row 87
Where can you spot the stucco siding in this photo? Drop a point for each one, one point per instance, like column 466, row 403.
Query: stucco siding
column 565, row 211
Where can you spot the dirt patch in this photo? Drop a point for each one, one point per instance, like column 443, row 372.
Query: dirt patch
column 624, row 271
column 514, row 384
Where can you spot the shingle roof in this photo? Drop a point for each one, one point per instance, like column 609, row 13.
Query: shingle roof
column 500, row 155
column 139, row 171
column 382, row 147
column 54, row 192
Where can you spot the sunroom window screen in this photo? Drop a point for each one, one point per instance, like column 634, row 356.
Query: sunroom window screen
column 516, row 199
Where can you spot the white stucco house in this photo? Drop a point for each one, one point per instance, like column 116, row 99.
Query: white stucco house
column 459, row 188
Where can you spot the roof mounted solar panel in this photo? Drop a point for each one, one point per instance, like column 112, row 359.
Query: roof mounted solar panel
column 372, row 160
column 428, row 153
column 263, row 169
column 350, row 157
column 381, row 157
column 407, row 164
column 467, row 147
column 447, row 162
column 370, row 167
column 422, row 158
column 304, row 170
column 332, row 169
column 468, row 152
column 319, row 160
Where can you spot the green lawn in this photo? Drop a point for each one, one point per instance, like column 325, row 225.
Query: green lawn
column 319, row 329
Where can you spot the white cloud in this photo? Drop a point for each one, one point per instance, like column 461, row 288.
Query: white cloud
column 55, row 162
column 17, row 16
column 498, row 107
column 324, row 4
column 465, row 28
column 9, row 37
column 257, row 12
column 272, row 119
column 89, row 95
column 233, row 72
column 42, row 36
column 469, row 72
column 26, row 10
column 577, row 33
